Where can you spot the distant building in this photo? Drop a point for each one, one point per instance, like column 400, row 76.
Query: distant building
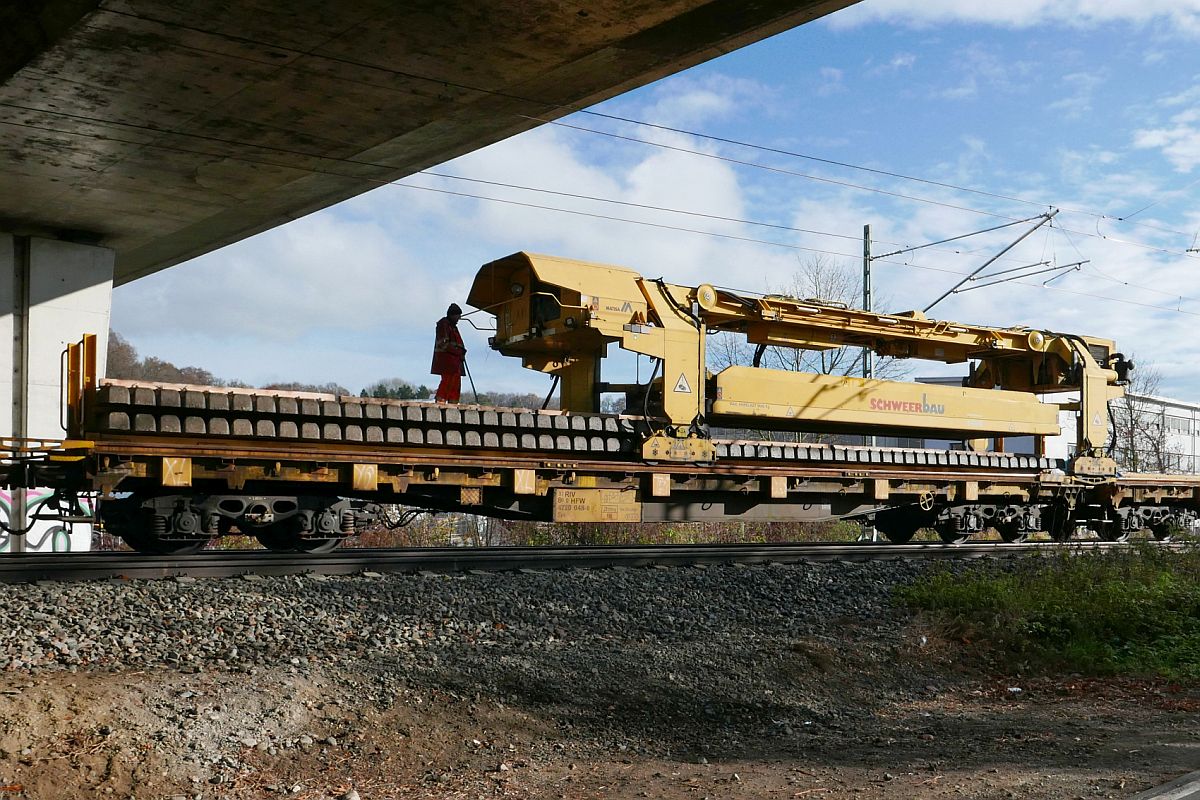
column 1156, row 434
column 1153, row 434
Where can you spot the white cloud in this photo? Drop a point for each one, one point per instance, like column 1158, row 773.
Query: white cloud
column 898, row 62
column 1180, row 15
column 324, row 273
column 1188, row 97
column 1178, row 139
column 1078, row 166
column 1081, row 87
column 1179, row 143
column 832, row 81
column 977, row 67
column 688, row 101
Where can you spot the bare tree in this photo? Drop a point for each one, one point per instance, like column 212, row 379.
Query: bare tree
column 124, row 362
column 818, row 278
column 822, row 278
column 123, row 359
column 1141, row 434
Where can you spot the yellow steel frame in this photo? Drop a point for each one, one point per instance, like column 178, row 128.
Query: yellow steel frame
column 81, row 379
column 560, row 315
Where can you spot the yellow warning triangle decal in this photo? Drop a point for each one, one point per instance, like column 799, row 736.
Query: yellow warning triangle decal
column 682, row 386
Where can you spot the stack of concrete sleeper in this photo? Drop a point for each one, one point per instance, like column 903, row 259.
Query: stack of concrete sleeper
column 200, row 411
column 175, row 410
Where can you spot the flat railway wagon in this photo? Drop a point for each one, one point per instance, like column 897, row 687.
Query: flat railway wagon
column 174, row 466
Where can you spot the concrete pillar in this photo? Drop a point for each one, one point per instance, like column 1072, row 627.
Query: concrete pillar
column 51, row 293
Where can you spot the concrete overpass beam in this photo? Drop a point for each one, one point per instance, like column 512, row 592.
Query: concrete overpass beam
column 51, row 293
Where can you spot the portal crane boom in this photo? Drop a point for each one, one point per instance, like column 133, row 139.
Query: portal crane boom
column 560, row 315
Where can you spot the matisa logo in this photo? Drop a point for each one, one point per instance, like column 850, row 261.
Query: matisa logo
column 907, row 406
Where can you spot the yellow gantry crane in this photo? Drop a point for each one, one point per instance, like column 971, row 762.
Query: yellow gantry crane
column 559, row 316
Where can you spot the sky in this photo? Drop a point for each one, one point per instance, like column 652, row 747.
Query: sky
column 926, row 119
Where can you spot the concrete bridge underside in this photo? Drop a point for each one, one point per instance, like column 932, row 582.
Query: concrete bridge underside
column 164, row 129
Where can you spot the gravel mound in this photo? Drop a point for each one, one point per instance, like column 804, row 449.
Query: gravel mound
column 619, row 682
column 701, row 645
column 422, row 620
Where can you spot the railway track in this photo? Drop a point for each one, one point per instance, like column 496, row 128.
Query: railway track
column 23, row 568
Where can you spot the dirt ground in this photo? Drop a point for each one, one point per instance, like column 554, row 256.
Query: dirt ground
column 303, row 733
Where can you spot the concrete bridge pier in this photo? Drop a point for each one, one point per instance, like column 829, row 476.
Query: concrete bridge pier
column 51, row 293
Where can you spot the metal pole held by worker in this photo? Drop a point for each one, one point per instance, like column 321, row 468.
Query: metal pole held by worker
column 467, row 369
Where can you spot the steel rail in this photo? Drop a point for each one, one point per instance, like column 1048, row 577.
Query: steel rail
column 26, row 567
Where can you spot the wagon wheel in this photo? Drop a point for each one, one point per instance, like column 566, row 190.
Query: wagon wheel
column 949, row 532
column 1110, row 530
column 1058, row 522
column 282, row 537
column 898, row 525
column 1012, row 532
column 138, row 531
column 1164, row 531
column 897, row 533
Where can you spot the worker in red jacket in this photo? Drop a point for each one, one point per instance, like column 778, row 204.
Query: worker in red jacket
column 449, row 356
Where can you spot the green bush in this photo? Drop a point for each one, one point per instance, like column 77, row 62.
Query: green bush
column 1131, row 611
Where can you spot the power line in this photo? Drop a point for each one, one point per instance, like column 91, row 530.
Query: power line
column 887, row 173
column 383, row 182
column 610, row 218
column 1159, row 200
column 725, row 218
column 785, row 245
column 355, row 162
column 572, row 108
column 666, row 209
column 336, row 159
column 543, row 120
column 629, row 204
column 846, row 184
column 956, row 238
column 757, row 223
column 378, row 181
column 573, row 195
column 1105, row 276
column 767, row 167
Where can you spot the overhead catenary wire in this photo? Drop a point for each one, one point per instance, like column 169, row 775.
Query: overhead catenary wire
column 907, row 264
column 1159, row 200
column 342, row 160
column 956, row 238
column 629, row 204
column 572, row 108
column 884, row 172
column 720, row 217
column 337, row 159
column 1044, row 219
column 1105, row 276
column 769, row 168
column 855, row 186
column 359, row 162
column 1064, row 268
column 384, row 182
